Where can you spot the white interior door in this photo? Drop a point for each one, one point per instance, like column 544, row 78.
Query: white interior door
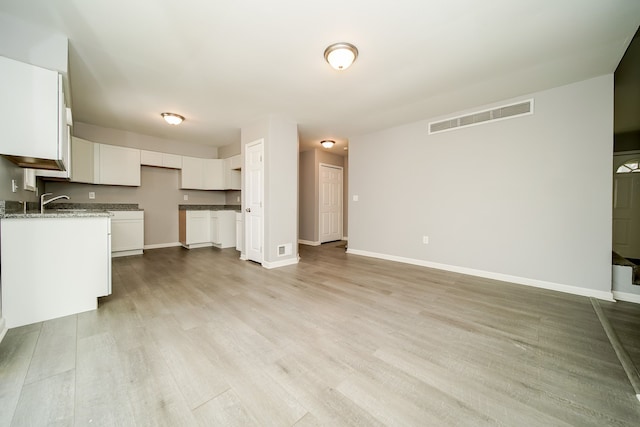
column 254, row 197
column 626, row 207
column 330, row 203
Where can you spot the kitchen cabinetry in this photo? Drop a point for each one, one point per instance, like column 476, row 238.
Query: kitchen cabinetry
column 82, row 161
column 127, row 233
column 195, row 229
column 73, row 266
column 223, row 230
column 67, row 156
column 117, row 165
column 161, row 160
column 33, row 116
column 201, row 228
column 239, row 231
column 202, row 174
column 232, row 173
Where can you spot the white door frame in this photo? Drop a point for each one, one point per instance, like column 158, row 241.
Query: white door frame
column 247, row 199
column 320, row 166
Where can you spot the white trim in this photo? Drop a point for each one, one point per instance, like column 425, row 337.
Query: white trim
column 283, row 263
column 308, row 242
column 3, row 328
column 575, row 290
column 626, row 296
column 345, row 238
column 197, row 245
column 126, row 253
column 162, row 245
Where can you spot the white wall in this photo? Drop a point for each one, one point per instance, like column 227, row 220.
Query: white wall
column 26, row 42
column 280, row 137
column 526, row 200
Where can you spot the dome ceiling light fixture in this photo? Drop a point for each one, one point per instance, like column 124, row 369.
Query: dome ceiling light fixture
column 327, row 143
column 172, row 118
column 341, row 55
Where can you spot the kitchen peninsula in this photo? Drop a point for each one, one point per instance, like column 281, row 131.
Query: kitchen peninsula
column 53, row 264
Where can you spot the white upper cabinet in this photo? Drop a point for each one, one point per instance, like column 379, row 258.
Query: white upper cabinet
column 192, row 173
column 214, row 174
column 31, row 108
column 235, row 162
column 202, row 174
column 82, row 161
column 117, row 165
column 232, row 173
column 161, row 160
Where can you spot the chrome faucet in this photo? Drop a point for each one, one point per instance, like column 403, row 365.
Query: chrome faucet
column 44, row 202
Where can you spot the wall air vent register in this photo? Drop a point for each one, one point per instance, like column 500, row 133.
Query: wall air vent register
column 503, row 112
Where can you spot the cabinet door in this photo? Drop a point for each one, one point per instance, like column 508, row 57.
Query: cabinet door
column 29, row 107
column 150, row 158
column 119, row 165
column 171, row 161
column 215, row 230
column 239, row 229
column 213, row 174
column 198, row 227
column 192, row 173
column 232, row 176
column 82, row 161
column 127, row 234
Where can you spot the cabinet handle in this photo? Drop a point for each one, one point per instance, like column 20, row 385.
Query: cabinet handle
column 248, row 209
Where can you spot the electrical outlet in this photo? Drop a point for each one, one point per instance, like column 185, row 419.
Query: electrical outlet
column 355, row 197
column 425, row 240
column 14, row 186
column 92, row 195
column 238, row 199
column 185, row 197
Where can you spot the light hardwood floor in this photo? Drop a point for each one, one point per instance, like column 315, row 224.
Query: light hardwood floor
column 201, row 338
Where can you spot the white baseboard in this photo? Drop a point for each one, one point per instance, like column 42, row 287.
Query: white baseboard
column 3, row 328
column 308, row 242
column 626, row 296
column 126, row 253
column 345, row 238
column 163, row 245
column 283, row 263
column 575, row 290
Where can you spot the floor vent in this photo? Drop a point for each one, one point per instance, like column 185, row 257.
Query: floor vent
column 500, row 113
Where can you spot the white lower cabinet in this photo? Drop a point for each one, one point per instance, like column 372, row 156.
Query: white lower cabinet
column 239, row 231
column 127, row 233
column 223, row 230
column 70, row 267
column 201, row 228
column 195, row 229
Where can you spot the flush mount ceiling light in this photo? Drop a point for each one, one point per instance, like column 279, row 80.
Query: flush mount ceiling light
column 327, row 143
column 172, row 118
column 341, row 55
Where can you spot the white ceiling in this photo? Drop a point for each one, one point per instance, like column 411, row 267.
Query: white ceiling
column 225, row 63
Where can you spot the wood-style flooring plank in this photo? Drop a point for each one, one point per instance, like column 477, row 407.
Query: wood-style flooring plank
column 55, row 352
column 201, row 338
column 47, row 402
column 16, row 350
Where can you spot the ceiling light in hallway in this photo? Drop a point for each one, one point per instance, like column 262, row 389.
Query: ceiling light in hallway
column 172, row 118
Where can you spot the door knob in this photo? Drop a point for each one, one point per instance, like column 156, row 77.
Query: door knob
column 248, row 209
